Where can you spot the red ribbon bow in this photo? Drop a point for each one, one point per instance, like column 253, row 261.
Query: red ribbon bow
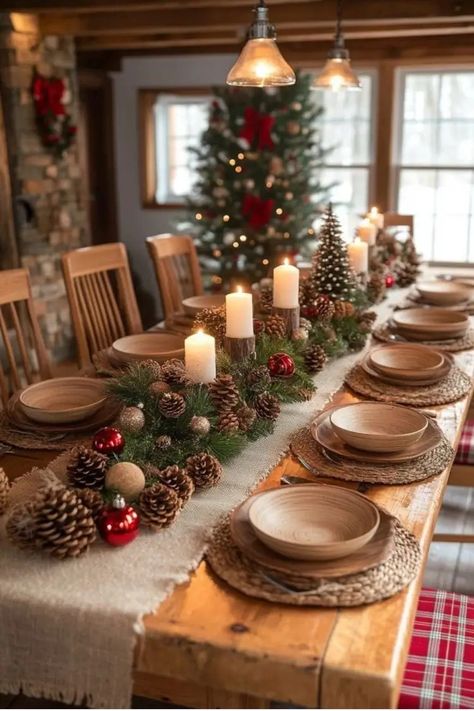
column 257, row 129
column 257, row 211
column 48, row 95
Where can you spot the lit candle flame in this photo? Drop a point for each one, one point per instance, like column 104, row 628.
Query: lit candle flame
column 286, row 261
column 374, row 211
column 200, row 332
column 239, row 289
column 357, row 240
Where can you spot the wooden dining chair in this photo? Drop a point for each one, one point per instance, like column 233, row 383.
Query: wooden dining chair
column 178, row 274
column 24, row 359
column 394, row 219
column 101, row 297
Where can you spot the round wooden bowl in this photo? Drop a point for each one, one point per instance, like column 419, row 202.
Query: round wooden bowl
column 313, row 524
column 154, row 345
column 432, row 323
column 62, row 400
column 407, row 361
column 195, row 304
column 442, row 293
column 378, row 427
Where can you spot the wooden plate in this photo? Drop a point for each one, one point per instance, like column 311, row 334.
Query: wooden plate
column 431, row 324
column 104, row 416
column 62, row 400
column 442, row 293
column 154, row 345
column 324, row 434
column 417, row 299
column 195, row 304
column 379, row 549
column 407, row 361
column 366, row 365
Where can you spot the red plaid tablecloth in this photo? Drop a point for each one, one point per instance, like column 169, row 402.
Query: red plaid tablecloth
column 440, row 668
column 465, row 453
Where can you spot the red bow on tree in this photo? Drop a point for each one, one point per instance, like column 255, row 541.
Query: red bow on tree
column 257, row 211
column 257, row 129
column 48, row 96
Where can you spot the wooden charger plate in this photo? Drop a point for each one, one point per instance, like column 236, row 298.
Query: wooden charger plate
column 442, row 373
column 104, row 416
column 194, row 304
column 420, row 301
column 323, row 433
column 376, row 551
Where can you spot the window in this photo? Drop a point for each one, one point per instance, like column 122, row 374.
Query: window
column 346, row 127
column 434, row 161
column 171, row 125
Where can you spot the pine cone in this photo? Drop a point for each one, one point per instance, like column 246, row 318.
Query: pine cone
column 275, row 326
column 64, row 527
column 173, row 372
column 265, row 296
column 314, row 358
column 224, row 393
column 247, row 416
column 324, row 308
column 4, row 489
column 376, row 287
column 305, row 393
column 343, row 309
column 176, row 478
column 204, row 469
column 172, row 405
column 267, row 406
column 259, row 378
column 163, row 442
column 307, row 293
column 20, row 526
column 92, row 500
column 159, row 506
column 153, row 366
column 86, row 468
column 228, row 422
column 305, row 323
column 212, row 321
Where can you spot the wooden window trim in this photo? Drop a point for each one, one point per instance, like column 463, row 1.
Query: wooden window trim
column 147, row 142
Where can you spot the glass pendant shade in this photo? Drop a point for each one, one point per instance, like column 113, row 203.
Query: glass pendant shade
column 337, row 74
column 261, row 64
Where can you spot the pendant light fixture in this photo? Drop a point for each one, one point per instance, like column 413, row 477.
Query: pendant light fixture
column 337, row 72
column 260, row 62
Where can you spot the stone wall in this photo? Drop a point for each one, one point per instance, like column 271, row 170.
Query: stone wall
column 48, row 196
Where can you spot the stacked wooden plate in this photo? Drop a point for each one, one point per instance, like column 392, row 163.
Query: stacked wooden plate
column 151, row 345
column 195, row 304
column 300, row 534
column 375, row 433
column 407, row 364
column 435, row 324
column 443, row 293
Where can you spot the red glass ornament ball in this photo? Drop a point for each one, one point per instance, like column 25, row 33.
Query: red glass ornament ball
column 309, row 311
column 281, row 365
column 118, row 526
column 389, row 281
column 108, row 440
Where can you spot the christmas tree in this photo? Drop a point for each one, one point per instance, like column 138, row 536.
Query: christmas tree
column 332, row 274
column 257, row 191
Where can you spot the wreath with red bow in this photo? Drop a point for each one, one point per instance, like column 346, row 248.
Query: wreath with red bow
column 54, row 123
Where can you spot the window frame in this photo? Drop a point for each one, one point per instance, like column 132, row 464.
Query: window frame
column 397, row 135
column 148, row 141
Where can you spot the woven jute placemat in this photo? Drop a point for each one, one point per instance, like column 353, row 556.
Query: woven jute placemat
column 372, row 585
column 312, row 457
column 385, row 334
column 452, row 387
column 54, row 441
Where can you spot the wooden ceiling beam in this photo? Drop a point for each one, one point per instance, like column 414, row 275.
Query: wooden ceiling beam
column 95, row 6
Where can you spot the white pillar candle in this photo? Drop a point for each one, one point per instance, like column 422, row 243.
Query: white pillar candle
column 367, row 231
column 286, row 279
column 239, row 314
column 200, row 357
column 358, row 253
column 376, row 218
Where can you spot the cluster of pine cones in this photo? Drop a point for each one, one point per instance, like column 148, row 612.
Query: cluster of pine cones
column 234, row 415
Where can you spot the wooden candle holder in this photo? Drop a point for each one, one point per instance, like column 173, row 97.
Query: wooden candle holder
column 291, row 316
column 239, row 348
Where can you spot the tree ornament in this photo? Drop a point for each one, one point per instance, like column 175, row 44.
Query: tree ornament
column 323, row 307
column 275, row 326
column 172, row 405
column 247, row 416
column 4, row 489
column 204, row 469
column 228, row 422
column 176, row 478
column 281, row 365
column 86, row 468
column 212, row 321
column 259, row 378
column 224, row 393
column 132, row 419
column 126, row 478
column 158, row 388
column 267, row 406
column 163, row 442
column 200, row 425
column 159, row 506
column 173, row 372
column 300, row 334
column 389, row 281
column 20, row 527
column 343, row 309
column 63, row 526
column 92, row 500
column 108, row 440
column 118, row 524
column 293, row 128
column 153, row 367
column 332, row 274
column 314, row 358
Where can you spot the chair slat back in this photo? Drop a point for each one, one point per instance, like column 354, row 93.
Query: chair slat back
column 393, row 219
column 177, row 270
column 24, row 358
column 101, row 297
